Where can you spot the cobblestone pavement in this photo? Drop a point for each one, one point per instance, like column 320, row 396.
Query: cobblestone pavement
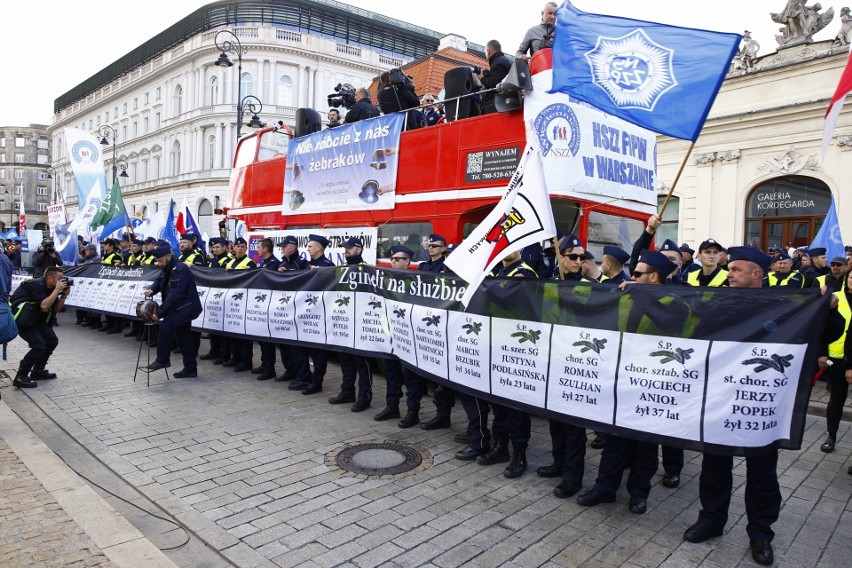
column 34, row 530
column 243, row 464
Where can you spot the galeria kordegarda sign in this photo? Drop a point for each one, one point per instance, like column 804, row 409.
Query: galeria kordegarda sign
column 717, row 369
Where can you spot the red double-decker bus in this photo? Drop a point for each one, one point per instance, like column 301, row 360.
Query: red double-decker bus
column 450, row 176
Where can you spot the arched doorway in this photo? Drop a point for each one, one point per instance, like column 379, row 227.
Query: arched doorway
column 205, row 218
column 786, row 210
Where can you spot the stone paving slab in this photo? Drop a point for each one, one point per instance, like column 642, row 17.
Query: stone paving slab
column 243, row 464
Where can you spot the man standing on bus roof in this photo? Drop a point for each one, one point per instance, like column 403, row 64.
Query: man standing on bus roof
column 355, row 366
column 363, row 109
column 307, row 382
column 541, row 35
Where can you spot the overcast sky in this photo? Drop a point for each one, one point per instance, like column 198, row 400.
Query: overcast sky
column 46, row 54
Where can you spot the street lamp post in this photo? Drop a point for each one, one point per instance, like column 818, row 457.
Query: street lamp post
column 106, row 131
column 251, row 104
column 122, row 165
column 234, row 46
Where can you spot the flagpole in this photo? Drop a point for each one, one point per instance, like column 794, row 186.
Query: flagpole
column 677, row 177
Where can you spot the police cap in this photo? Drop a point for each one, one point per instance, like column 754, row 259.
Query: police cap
column 149, row 241
column 400, row 249
column 139, row 242
column 110, row 241
column 710, row 243
column 782, row 255
column 188, row 237
column 435, row 239
column 288, row 240
column 240, row 241
column 162, row 250
column 318, row 239
column 569, row 242
column 816, row 252
column 686, row 248
column 658, row 260
column 750, row 254
column 669, row 244
column 218, row 241
column 353, row 242
column 838, row 260
column 617, row 253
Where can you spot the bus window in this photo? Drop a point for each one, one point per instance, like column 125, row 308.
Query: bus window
column 245, row 152
column 412, row 235
column 566, row 213
column 613, row 230
column 273, row 144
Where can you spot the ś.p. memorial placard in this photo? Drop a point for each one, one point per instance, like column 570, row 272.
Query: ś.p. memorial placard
column 719, row 369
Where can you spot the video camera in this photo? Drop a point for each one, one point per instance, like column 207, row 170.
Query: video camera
column 400, row 79
column 344, row 95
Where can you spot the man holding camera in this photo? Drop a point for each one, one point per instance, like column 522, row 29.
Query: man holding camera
column 45, row 257
column 34, row 304
column 396, row 93
column 363, row 108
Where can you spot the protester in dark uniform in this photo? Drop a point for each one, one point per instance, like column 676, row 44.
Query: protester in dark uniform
column 41, row 299
column 836, row 276
column 268, row 261
column 509, row 424
column 15, row 254
column 709, row 273
column 355, row 366
column 612, row 264
column 568, row 441
column 306, row 381
column 659, row 318
column 784, row 275
column 290, row 260
column 747, row 266
column 220, row 345
column 395, row 373
column 189, row 254
column 241, row 349
column 590, row 268
column 111, row 257
column 134, row 258
column 672, row 252
column 395, row 96
column 180, row 307
column 831, row 362
column 445, row 397
column 498, row 67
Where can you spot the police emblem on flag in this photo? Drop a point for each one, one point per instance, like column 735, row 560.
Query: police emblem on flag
column 633, row 70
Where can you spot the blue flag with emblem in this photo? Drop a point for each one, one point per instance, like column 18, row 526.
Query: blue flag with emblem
column 169, row 231
column 663, row 78
column 828, row 236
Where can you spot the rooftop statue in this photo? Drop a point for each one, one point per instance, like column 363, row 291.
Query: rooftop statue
column 746, row 54
column 843, row 37
column 800, row 22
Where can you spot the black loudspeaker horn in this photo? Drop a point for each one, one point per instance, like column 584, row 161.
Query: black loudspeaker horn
column 308, row 121
column 518, row 78
column 504, row 102
column 458, row 82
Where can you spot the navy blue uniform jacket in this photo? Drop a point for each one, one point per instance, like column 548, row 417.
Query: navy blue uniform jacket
column 180, row 296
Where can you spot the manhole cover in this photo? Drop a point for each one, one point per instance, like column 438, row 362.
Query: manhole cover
column 379, row 458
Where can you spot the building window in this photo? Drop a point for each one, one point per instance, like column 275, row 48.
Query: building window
column 41, row 159
column 42, row 143
column 211, row 152
column 145, row 125
column 135, row 129
column 143, row 171
column 135, row 103
column 20, row 158
column 157, row 121
column 20, row 141
column 156, row 167
column 285, row 91
column 41, row 191
column 2, row 142
column 42, row 207
column 19, row 189
column 115, row 112
column 19, row 174
column 132, row 172
column 40, row 176
column 174, row 157
column 124, row 108
column 246, row 84
column 671, row 216
column 177, row 101
column 2, row 174
column 124, row 132
column 157, row 94
column 146, row 98
column 213, row 91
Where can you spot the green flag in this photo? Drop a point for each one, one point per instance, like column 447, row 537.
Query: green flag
column 112, row 214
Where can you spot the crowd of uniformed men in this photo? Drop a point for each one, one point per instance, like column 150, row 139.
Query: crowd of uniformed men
column 506, row 439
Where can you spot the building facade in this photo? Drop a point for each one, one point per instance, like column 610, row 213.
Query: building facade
column 173, row 110
column 24, row 163
column 755, row 175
